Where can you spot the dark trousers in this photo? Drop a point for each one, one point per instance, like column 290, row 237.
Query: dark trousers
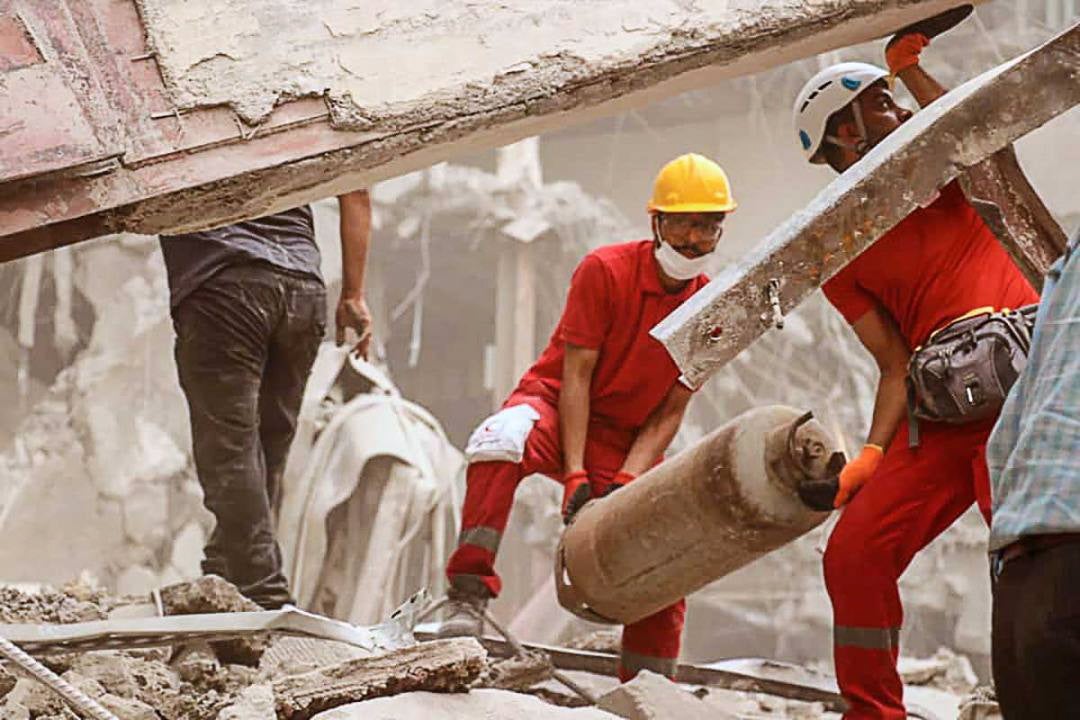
column 246, row 340
column 1036, row 635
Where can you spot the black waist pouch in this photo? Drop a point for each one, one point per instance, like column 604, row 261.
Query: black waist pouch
column 966, row 369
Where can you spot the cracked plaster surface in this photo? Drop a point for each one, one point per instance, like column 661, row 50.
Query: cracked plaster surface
column 388, row 64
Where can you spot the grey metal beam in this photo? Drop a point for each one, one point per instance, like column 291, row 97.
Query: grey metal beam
column 1001, row 193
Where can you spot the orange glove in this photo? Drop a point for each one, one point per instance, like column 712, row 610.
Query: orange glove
column 904, row 53
column 857, row 472
column 576, row 492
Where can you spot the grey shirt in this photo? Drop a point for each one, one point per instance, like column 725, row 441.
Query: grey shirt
column 286, row 240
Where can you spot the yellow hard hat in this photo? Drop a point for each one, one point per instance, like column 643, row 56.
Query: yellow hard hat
column 691, row 183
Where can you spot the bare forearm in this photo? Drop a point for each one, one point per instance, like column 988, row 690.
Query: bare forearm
column 651, row 442
column 355, row 239
column 658, row 431
column 574, row 421
column 924, row 88
column 890, row 407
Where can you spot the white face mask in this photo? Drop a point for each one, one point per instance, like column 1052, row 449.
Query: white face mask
column 676, row 265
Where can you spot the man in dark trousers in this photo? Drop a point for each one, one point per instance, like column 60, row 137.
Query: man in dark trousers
column 249, row 309
column 1034, row 459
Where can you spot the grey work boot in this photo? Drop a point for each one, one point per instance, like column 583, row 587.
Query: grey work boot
column 464, row 615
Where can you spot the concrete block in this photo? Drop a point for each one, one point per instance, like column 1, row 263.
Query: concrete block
column 14, row 711
column 441, row 665
column 650, row 696
column 254, row 703
column 207, row 594
column 128, row 708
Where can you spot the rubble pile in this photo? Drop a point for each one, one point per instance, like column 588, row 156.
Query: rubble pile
column 245, row 679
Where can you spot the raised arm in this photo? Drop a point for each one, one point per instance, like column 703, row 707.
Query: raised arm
column 352, row 310
column 902, row 57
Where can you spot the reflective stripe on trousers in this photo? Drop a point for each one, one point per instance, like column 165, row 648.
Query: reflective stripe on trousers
column 868, row 638
column 482, row 537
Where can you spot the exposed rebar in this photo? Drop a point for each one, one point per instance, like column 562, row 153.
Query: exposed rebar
column 79, row 701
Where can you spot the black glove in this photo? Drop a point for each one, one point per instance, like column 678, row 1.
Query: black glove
column 576, row 492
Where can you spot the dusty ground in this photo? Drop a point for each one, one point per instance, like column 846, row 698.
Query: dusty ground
column 235, row 680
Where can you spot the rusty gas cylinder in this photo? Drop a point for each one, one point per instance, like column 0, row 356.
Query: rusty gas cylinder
column 711, row 509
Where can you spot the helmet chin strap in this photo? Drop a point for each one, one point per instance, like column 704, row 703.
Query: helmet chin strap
column 656, row 227
column 862, row 146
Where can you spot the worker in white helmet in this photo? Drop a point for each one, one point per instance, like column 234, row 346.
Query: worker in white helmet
column 937, row 265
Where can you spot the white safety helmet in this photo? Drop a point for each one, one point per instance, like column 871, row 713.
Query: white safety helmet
column 830, row 90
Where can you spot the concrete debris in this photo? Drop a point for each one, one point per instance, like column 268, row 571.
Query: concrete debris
column 195, row 662
column 7, row 682
column 650, row 696
column 47, row 606
column 213, row 594
column 980, row 705
column 254, row 703
column 14, row 712
column 207, row 594
column 485, row 704
column 35, row 698
column 518, row 673
column 127, row 708
column 746, row 706
column 945, row 670
column 606, row 640
column 442, row 666
column 298, row 655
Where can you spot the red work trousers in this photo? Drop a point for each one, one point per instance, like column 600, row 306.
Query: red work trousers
column 652, row 643
column 914, row 496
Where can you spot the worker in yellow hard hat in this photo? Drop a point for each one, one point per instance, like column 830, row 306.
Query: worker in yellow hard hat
column 602, row 403
column 691, row 197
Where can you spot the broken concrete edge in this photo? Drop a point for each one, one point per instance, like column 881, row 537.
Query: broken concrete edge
column 678, row 45
column 440, row 666
column 902, row 173
column 201, row 191
column 1002, row 195
column 650, row 696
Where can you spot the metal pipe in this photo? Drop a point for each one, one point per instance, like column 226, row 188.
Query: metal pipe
column 708, row 511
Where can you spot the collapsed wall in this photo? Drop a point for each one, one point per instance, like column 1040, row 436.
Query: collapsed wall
column 98, row 475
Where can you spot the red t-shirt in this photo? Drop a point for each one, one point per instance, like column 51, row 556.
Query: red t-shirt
column 939, row 263
column 615, row 298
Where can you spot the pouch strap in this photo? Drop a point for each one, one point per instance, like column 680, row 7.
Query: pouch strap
column 913, row 421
